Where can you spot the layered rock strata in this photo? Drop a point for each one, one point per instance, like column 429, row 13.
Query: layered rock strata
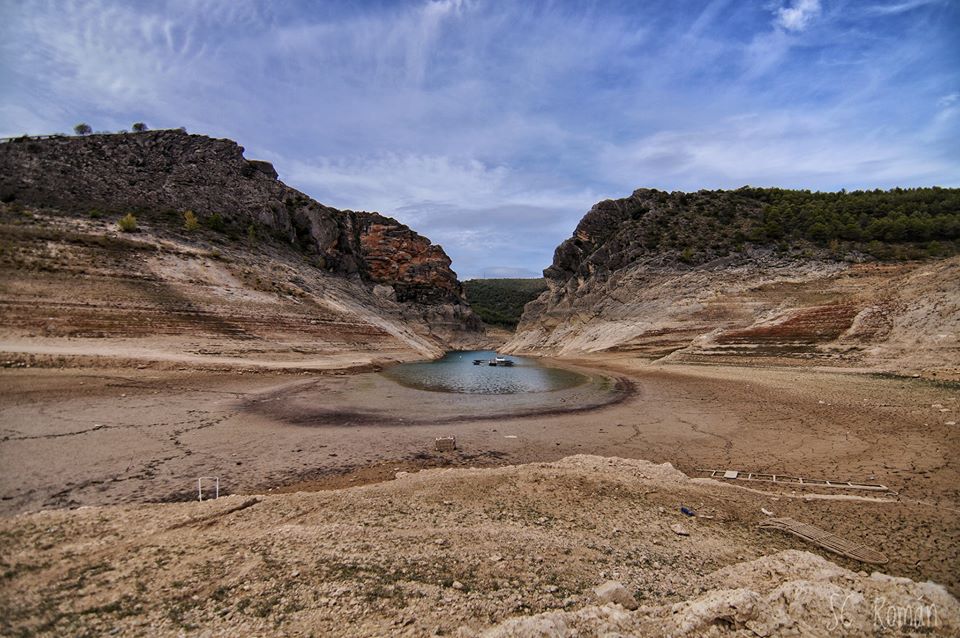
column 161, row 175
column 609, row 291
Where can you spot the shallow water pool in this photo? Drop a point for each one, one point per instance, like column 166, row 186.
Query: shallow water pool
column 456, row 372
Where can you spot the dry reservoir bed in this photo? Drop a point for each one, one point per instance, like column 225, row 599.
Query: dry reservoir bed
column 94, row 437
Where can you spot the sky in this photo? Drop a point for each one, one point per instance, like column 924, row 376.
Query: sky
column 492, row 127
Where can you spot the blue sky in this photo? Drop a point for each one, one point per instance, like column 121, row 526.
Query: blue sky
column 492, row 127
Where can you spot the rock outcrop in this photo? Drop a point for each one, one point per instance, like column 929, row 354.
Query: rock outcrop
column 612, row 288
column 159, row 175
column 791, row 593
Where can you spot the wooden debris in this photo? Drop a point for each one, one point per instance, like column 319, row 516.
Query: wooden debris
column 793, row 481
column 827, row 540
column 446, row 443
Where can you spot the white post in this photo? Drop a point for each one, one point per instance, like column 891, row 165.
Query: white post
column 216, row 483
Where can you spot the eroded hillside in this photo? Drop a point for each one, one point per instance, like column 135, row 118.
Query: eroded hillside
column 615, row 286
column 226, row 262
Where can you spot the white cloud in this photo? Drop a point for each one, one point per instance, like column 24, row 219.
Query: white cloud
column 948, row 100
column 95, row 55
column 390, row 181
column 477, row 212
column 765, row 52
column 899, row 7
column 28, row 121
column 793, row 150
column 798, row 16
column 492, row 127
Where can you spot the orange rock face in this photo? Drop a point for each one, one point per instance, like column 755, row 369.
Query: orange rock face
column 395, row 255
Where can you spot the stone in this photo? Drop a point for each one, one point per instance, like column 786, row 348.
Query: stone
column 385, row 292
column 614, row 592
column 264, row 167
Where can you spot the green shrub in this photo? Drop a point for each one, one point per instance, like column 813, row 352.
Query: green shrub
column 128, row 223
column 215, row 222
column 895, row 224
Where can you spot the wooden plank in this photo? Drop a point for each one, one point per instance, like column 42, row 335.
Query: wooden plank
column 795, row 480
column 827, row 540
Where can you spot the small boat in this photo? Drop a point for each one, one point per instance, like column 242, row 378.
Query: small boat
column 500, row 361
column 477, row 362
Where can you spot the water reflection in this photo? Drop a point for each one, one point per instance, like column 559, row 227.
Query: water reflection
column 456, row 372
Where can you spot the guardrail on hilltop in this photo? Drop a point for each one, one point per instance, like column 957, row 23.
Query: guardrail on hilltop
column 27, row 138
column 57, row 136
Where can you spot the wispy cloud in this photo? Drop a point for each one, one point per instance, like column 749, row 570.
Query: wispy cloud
column 788, row 149
column 949, row 100
column 490, row 126
column 894, row 8
column 799, row 15
column 474, row 210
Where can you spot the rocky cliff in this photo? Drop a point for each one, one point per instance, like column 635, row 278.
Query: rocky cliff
column 160, row 175
column 696, row 277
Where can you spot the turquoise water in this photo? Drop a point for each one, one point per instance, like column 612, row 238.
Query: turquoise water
column 455, row 372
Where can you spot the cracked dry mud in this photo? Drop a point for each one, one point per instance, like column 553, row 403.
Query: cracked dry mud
column 97, row 437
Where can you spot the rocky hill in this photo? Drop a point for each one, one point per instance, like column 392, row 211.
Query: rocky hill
column 755, row 275
column 202, row 208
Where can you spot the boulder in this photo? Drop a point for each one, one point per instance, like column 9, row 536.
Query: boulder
column 614, row 592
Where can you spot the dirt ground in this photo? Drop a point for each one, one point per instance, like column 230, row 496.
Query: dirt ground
column 73, row 437
column 460, row 551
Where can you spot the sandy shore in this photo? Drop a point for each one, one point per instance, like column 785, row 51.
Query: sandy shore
column 91, row 437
